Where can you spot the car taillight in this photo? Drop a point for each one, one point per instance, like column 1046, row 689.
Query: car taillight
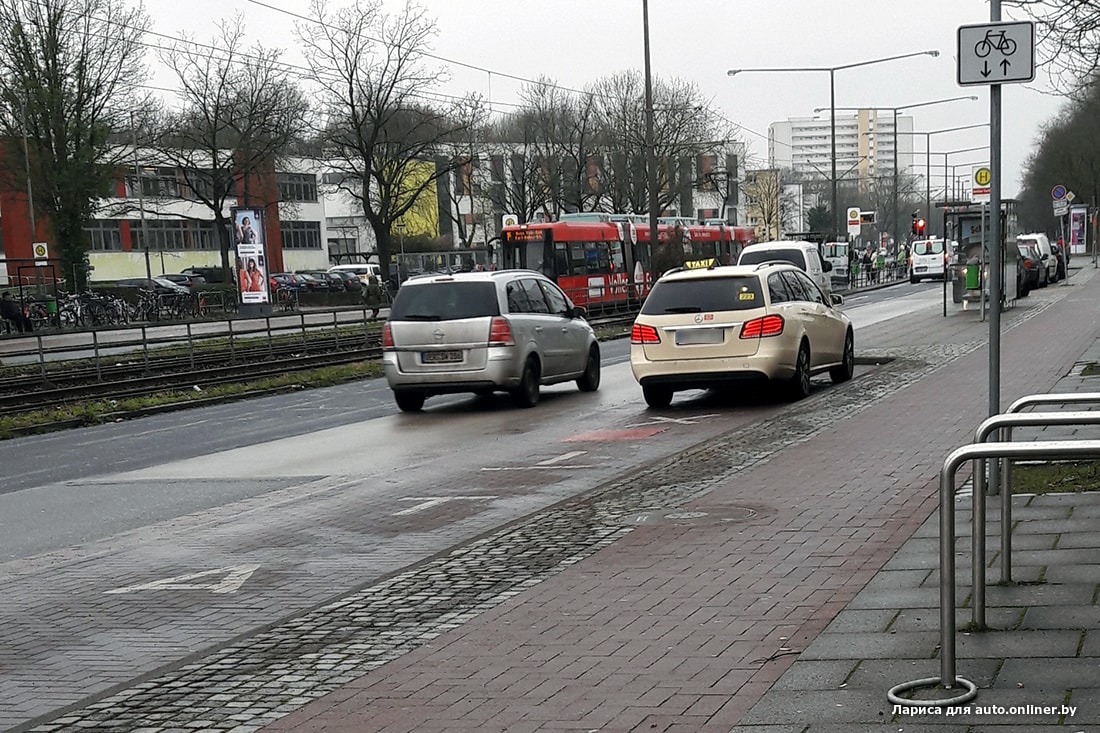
column 387, row 337
column 765, row 326
column 640, row 334
column 1027, row 263
column 500, row 332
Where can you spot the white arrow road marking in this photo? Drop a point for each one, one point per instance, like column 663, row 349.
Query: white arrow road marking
column 235, row 577
column 427, row 502
column 658, row 419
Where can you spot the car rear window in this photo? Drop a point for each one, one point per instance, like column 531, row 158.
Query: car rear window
column 704, row 295
column 755, row 257
column 445, row 301
column 930, row 247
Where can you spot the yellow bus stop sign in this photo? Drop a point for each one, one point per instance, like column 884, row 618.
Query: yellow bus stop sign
column 41, row 251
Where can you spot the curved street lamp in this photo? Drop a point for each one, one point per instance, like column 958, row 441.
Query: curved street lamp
column 832, row 104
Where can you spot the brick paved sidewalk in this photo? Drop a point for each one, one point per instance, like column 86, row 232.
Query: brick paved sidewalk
column 685, row 624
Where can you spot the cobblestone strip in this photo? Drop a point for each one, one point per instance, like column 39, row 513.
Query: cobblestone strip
column 251, row 684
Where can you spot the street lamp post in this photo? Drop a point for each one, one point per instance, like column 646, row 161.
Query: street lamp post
column 928, row 159
column 832, row 106
column 896, row 224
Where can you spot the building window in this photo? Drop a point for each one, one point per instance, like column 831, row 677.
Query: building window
column 104, row 235
column 297, row 186
column 173, row 235
column 155, row 183
column 301, row 234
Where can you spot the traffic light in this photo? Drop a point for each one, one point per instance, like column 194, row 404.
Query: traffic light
column 918, row 226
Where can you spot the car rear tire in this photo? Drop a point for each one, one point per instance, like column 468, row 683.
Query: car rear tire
column 656, row 396
column 409, row 401
column 527, row 393
column 913, row 279
column 590, row 380
column 847, row 366
column 799, row 386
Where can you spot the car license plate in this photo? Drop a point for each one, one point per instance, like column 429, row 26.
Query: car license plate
column 693, row 336
column 440, row 357
column 921, row 269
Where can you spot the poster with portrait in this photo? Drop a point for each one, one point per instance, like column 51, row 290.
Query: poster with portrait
column 251, row 265
column 1078, row 216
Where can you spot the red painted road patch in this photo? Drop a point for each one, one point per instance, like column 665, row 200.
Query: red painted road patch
column 606, row 435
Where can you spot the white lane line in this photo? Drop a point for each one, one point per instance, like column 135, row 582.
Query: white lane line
column 562, row 457
column 534, row 468
column 235, row 577
column 427, row 502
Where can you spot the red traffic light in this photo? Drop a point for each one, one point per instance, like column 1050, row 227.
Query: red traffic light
column 918, row 226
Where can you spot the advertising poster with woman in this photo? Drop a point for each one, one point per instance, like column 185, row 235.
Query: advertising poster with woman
column 251, row 266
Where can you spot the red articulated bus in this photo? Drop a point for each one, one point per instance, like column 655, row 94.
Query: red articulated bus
column 586, row 253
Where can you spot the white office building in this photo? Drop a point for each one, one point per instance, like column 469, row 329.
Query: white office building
column 865, row 144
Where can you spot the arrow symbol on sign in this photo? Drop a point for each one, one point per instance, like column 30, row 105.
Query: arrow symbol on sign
column 985, row 68
column 1004, row 66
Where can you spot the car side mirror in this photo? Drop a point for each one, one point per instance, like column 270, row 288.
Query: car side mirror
column 827, row 266
column 838, row 299
column 578, row 311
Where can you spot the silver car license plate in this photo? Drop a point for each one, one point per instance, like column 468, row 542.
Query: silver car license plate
column 440, row 357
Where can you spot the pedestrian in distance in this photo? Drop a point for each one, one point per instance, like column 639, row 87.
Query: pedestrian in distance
column 372, row 296
column 13, row 312
column 866, row 261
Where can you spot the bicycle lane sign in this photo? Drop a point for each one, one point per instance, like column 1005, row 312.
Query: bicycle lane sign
column 996, row 53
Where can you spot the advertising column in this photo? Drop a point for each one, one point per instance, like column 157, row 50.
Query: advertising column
column 1078, row 217
column 251, row 264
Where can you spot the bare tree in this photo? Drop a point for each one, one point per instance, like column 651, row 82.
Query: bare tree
column 764, row 190
column 685, row 126
column 388, row 141
column 1068, row 39
column 240, row 113
column 521, row 189
column 70, row 71
column 470, row 148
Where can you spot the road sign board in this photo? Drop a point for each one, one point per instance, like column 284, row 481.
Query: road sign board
column 41, row 250
column 996, row 53
column 1061, row 207
column 981, row 177
column 1070, row 196
column 854, row 223
column 509, row 220
column 1058, row 192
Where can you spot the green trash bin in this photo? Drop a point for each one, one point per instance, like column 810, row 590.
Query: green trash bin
column 51, row 306
column 973, row 277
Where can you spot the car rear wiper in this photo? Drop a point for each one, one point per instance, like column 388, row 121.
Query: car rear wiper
column 422, row 317
column 684, row 309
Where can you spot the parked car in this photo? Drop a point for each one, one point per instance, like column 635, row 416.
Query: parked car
column 352, row 283
column 286, row 281
column 188, row 280
column 362, row 271
column 738, row 326
column 156, row 284
column 1032, row 263
column 485, row 332
column 210, row 274
column 803, row 255
column 312, row 284
column 333, row 282
column 1046, row 253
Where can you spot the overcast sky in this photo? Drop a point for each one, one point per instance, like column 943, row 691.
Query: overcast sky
column 578, row 41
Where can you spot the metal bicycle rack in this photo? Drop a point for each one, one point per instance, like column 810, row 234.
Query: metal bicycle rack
column 948, row 679
column 991, row 426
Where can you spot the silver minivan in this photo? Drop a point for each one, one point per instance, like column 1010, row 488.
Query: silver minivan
column 484, row 332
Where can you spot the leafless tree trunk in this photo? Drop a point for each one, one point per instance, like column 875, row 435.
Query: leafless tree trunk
column 1068, row 39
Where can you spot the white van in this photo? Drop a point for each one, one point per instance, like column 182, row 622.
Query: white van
column 1048, row 273
column 836, row 254
column 799, row 253
column 363, row 271
column 928, row 259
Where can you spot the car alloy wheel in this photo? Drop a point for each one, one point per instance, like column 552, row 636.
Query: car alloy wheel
column 847, row 366
column 800, row 383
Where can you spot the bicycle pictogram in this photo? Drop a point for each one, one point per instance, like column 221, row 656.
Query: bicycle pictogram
column 995, row 42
